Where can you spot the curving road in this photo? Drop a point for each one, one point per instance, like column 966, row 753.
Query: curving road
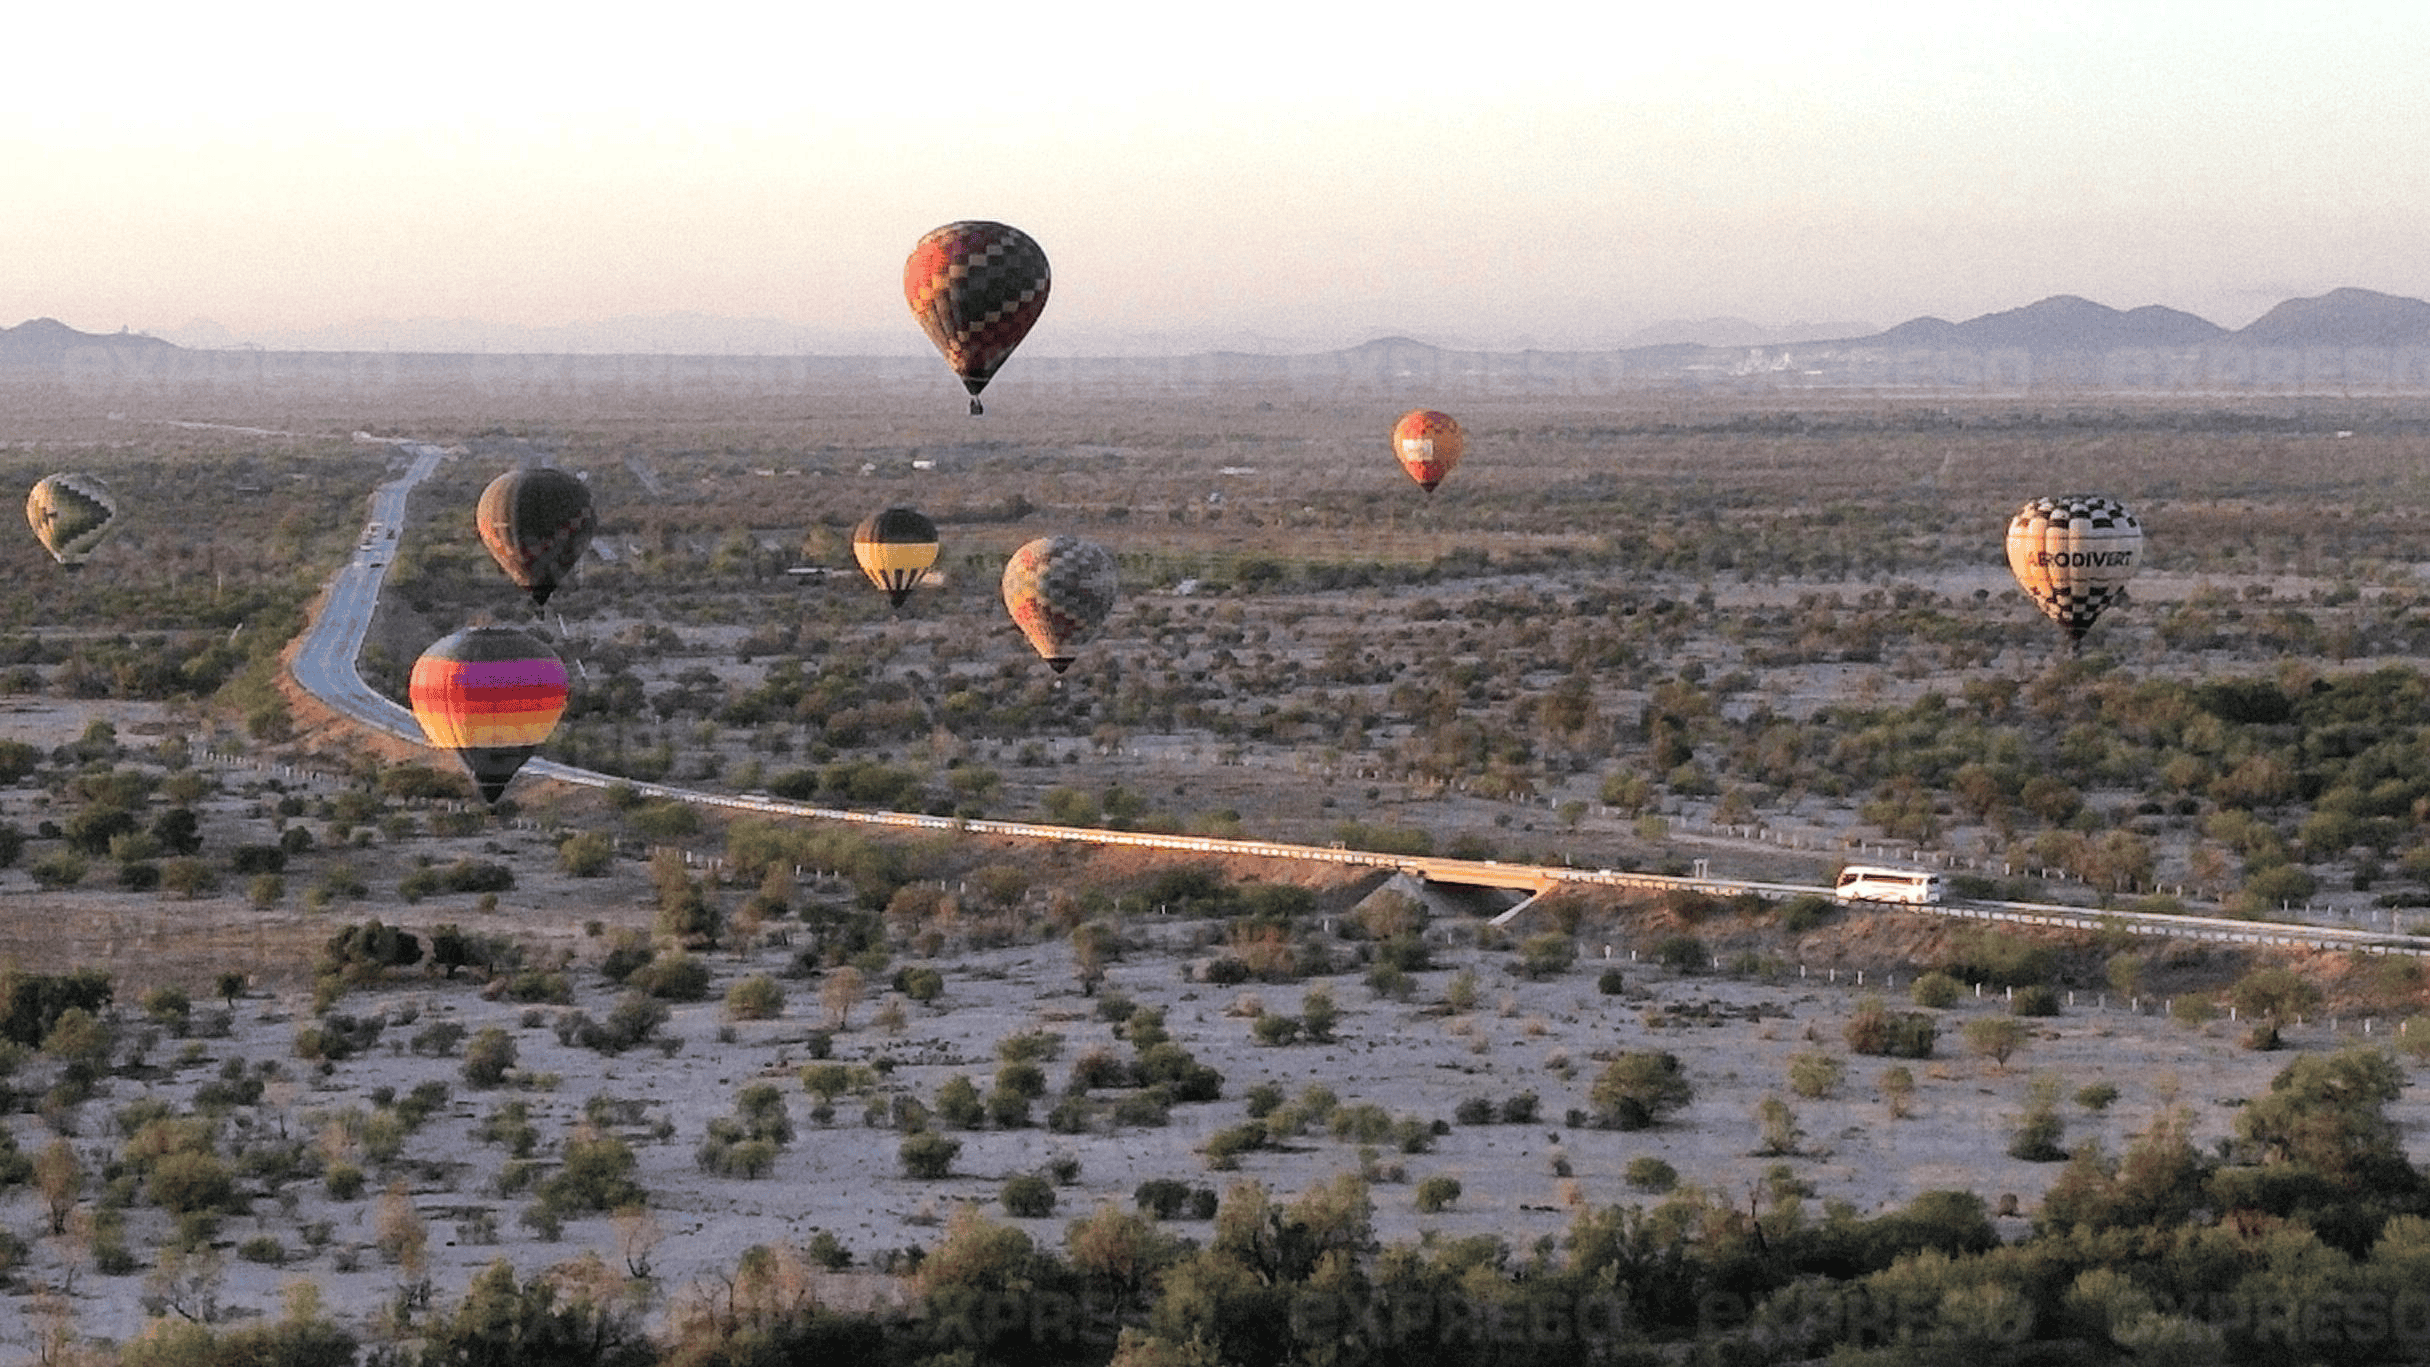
column 325, row 667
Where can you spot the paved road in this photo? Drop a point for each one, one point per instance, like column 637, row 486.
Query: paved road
column 325, row 666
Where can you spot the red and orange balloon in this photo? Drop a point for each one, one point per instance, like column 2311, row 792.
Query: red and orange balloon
column 1429, row 445
column 976, row 288
column 491, row 695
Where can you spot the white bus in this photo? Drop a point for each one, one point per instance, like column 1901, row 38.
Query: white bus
column 1873, row 883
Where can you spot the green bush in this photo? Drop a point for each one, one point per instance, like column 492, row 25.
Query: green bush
column 673, row 976
column 1436, row 1194
column 1648, row 1173
column 1028, row 1197
column 489, row 1057
column 755, row 998
column 927, row 1155
column 2034, row 1000
column 1936, row 990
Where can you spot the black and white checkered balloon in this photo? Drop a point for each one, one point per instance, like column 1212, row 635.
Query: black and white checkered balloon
column 2073, row 555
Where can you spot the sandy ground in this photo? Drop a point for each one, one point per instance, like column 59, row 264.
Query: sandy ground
column 1735, row 1038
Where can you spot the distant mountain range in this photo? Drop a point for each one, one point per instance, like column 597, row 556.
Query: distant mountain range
column 2061, row 323
column 2346, row 339
column 2065, row 322
column 47, row 340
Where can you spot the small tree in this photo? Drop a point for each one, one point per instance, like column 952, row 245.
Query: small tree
column 60, row 1178
column 1639, row 1088
column 1995, row 1038
column 840, row 994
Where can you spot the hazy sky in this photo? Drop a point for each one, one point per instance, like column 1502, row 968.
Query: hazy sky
column 1491, row 173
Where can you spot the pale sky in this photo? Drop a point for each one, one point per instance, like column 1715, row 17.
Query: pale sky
column 1496, row 173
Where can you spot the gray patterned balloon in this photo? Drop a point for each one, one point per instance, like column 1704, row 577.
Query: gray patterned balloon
column 1059, row 590
column 2073, row 555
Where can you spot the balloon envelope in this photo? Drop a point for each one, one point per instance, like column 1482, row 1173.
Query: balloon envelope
column 976, row 287
column 537, row 523
column 895, row 548
column 2073, row 555
column 1059, row 590
column 1429, row 445
column 492, row 695
column 72, row 513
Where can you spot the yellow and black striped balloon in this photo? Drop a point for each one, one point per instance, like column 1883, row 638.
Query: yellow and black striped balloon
column 895, row 548
column 72, row 513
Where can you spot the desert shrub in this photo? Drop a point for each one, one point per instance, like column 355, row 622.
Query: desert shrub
column 489, row 1057
column 1098, row 1067
column 249, row 860
column 2039, row 1129
column 1997, row 959
column 1682, row 954
column 755, row 998
column 1936, row 990
column 630, row 1024
column 1801, row 914
column 920, row 984
column 1995, row 1037
column 1008, row 1109
column 338, row 1037
column 1167, row 1199
column 1475, row 1110
column 1610, row 982
column 674, row 976
column 596, row 1174
column 1778, row 1125
column 586, row 854
column 927, row 1155
column 1876, row 1030
column 1547, row 955
column 1436, row 1194
column 1814, row 1074
column 2096, row 1096
column 1898, row 1091
column 262, row 1248
column 1637, row 1089
column 1224, row 1147
column 959, row 1105
column 2036, row 999
column 1028, row 1197
column 1648, row 1173
column 1273, row 1029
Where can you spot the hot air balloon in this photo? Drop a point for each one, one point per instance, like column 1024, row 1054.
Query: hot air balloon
column 1059, row 590
column 895, row 548
column 976, row 288
column 1429, row 445
column 492, row 695
column 2073, row 555
column 537, row 523
column 73, row 513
